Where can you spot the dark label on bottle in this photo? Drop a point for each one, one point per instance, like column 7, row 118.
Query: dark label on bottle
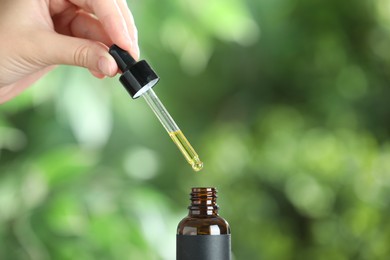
column 203, row 247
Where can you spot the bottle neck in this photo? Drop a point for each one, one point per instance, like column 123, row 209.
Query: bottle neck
column 203, row 202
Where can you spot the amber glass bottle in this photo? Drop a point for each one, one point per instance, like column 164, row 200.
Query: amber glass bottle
column 203, row 234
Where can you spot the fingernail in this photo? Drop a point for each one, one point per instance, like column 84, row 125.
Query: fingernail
column 134, row 49
column 137, row 50
column 105, row 67
column 128, row 38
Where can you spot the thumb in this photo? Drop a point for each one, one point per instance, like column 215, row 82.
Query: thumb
column 61, row 49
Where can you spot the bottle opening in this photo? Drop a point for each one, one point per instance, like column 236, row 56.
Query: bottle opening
column 204, row 189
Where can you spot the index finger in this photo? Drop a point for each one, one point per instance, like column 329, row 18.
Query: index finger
column 129, row 19
column 110, row 15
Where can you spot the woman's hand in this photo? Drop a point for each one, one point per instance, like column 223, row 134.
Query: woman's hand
column 36, row 35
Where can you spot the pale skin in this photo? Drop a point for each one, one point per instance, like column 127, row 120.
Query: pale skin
column 37, row 35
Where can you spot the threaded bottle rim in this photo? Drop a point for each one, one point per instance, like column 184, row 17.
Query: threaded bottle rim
column 203, row 201
column 204, row 189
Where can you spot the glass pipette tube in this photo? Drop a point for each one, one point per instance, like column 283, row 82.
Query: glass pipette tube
column 173, row 130
column 138, row 78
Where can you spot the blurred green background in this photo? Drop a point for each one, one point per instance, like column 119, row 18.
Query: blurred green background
column 286, row 102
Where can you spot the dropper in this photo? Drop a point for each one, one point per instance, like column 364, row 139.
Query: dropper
column 138, row 78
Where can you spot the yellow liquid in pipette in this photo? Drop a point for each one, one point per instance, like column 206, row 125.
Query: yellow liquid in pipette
column 186, row 149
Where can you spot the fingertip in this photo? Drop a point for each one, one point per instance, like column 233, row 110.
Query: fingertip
column 124, row 42
column 97, row 74
column 134, row 49
column 135, row 53
column 131, row 47
column 107, row 65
